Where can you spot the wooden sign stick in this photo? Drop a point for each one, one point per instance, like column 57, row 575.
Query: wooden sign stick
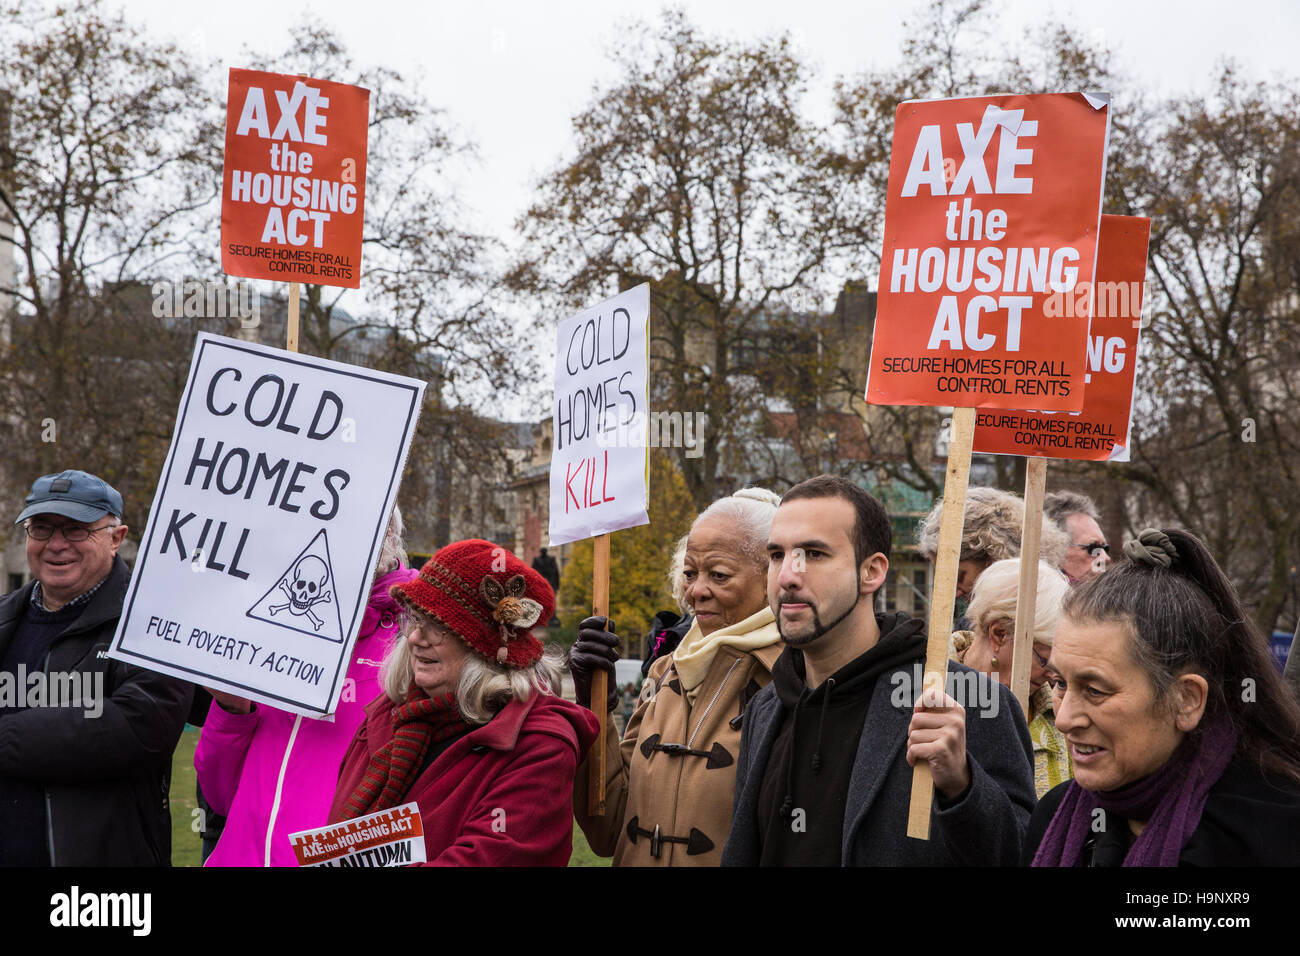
column 599, row 680
column 1027, row 595
column 942, row 598
column 291, row 327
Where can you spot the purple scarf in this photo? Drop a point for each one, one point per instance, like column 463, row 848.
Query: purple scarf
column 1171, row 800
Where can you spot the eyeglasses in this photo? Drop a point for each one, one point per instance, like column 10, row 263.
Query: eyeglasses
column 435, row 632
column 1042, row 661
column 1094, row 548
column 72, row 533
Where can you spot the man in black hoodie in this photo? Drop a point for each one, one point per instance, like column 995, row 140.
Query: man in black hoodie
column 824, row 774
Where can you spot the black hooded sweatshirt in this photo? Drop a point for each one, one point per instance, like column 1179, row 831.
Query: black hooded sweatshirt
column 806, row 782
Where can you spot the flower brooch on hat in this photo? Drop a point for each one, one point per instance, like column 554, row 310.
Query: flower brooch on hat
column 510, row 609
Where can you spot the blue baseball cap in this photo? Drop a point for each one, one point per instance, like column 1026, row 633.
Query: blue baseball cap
column 73, row 494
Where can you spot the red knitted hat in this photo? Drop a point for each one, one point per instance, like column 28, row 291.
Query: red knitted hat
column 486, row 596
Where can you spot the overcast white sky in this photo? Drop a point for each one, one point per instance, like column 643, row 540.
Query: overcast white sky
column 512, row 73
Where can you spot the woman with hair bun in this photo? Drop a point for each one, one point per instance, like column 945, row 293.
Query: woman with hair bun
column 1184, row 738
column 670, row 782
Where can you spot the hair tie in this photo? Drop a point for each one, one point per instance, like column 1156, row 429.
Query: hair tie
column 1152, row 547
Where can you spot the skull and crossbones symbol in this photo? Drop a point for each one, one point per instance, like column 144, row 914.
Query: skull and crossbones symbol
column 306, row 590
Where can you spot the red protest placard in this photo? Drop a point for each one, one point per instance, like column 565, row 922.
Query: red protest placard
column 393, row 837
column 295, row 179
column 992, row 207
column 1100, row 432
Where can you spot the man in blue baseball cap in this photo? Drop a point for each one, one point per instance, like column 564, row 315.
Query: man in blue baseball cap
column 74, row 528
column 85, row 763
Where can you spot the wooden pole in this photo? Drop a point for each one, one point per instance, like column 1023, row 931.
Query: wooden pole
column 942, row 599
column 599, row 680
column 1027, row 595
column 291, row 327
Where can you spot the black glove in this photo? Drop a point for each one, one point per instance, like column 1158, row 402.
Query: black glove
column 595, row 649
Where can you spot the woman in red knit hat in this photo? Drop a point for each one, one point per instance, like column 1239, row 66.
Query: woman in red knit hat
column 471, row 725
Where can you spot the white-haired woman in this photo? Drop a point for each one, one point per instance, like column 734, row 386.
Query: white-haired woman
column 470, row 725
column 988, row 647
column 670, row 781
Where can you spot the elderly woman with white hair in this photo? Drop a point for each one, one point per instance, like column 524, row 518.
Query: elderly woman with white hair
column 989, row 645
column 470, row 725
column 670, row 781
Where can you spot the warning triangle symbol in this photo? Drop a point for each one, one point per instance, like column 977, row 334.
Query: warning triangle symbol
column 304, row 598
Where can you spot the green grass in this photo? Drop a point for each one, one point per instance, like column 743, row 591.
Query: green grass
column 187, row 849
column 582, row 855
column 186, row 845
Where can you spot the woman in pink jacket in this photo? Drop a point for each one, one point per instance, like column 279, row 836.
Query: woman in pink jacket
column 272, row 773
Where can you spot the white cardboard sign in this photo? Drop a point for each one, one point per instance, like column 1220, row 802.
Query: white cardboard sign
column 254, row 572
column 599, row 463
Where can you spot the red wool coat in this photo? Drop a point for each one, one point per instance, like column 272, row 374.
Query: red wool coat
column 502, row 795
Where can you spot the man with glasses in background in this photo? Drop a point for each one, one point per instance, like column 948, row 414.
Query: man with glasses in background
column 85, row 741
column 1076, row 515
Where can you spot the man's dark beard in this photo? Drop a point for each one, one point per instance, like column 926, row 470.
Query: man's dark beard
column 818, row 628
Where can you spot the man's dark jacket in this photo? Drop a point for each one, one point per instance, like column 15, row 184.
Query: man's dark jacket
column 986, row 826
column 106, row 778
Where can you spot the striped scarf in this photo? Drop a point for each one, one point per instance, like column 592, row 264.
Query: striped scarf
column 419, row 722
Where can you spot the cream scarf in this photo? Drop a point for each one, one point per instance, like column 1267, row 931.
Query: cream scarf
column 694, row 655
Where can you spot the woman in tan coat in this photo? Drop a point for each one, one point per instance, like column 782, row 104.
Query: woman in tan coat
column 670, row 781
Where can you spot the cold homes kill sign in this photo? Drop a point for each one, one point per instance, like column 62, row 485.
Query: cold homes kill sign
column 256, row 566
column 599, row 463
